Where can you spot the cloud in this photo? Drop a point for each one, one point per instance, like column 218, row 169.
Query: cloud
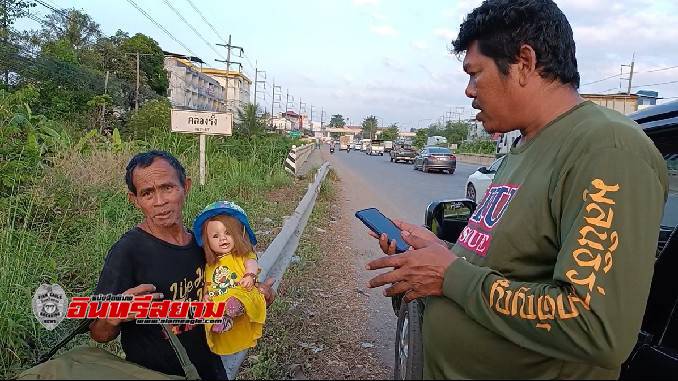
column 419, row 45
column 361, row 3
column 445, row 33
column 392, row 64
column 384, row 30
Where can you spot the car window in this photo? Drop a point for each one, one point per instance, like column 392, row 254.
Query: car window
column 439, row 150
column 495, row 166
column 670, row 218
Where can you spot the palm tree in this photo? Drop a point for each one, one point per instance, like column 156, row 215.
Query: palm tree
column 249, row 122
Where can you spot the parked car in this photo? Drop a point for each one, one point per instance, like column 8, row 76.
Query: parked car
column 655, row 355
column 478, row 182
column 437, row 158
column 403, row 152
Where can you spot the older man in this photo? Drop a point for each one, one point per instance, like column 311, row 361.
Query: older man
column 159, row 257
column 551, row 276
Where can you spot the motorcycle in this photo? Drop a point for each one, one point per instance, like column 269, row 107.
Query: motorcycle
column 331, row 149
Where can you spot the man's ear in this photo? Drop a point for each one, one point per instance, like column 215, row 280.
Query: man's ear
column 188, row 184
column 132, row 198
column 527, row 64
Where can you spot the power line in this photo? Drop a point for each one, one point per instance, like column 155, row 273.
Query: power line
column 191, row 27
column 134, row 4
column 205, row 20
column 636, row 73
column 655, row 84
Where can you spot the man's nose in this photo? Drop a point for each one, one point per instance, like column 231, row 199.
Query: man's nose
column 470, row 89
column 159, row 198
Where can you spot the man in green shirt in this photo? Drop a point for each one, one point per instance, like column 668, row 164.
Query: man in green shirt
column 551, row 276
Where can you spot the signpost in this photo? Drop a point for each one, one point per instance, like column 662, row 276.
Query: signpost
column 203, row 123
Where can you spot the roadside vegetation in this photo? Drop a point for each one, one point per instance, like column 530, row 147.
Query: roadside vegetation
column 66, row 135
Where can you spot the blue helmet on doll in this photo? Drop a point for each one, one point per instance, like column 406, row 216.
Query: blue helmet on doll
column 228, row 208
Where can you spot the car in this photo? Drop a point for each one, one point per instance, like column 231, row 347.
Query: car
column 403, row 152
column 436, row 158
column 655, row 355
column 478, row 182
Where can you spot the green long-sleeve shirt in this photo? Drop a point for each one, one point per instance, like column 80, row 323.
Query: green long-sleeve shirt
column 557, row 259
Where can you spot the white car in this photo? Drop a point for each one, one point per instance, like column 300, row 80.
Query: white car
column 478, row 182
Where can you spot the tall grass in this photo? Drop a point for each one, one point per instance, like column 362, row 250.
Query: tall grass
column 59, row 229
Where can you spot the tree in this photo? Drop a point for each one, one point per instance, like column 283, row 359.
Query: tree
column 390, row 133
column 456, row 132
column 10, row 10
column 249, row 123
column 337, row 121
column 78, row 29
column 153, row 66
column 370, row 125
column 421, row 138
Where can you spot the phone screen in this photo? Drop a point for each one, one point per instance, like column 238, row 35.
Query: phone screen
column 379, row 224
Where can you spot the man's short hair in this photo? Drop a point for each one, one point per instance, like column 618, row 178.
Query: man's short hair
column 145, row 159
column 501, row 27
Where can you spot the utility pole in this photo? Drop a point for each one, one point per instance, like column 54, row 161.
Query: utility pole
column 136, row 99
column 103, row 106
column 275, row 100
column 229, row 47
column 257, row 81
column 630, row 78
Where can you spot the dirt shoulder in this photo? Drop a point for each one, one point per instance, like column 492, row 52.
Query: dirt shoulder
column 317, row 327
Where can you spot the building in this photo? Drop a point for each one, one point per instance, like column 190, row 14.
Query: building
column 238, row 86
column 621, row 102
column 476, row 130
column 647, row 98
column 287, row 121
column 189, row 87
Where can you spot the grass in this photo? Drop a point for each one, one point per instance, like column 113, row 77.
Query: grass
column 59, row 229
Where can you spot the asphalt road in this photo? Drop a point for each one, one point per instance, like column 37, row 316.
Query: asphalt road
column 399, row 192
column 404, row 192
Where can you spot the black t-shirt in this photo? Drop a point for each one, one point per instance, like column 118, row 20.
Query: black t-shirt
column 178, row 273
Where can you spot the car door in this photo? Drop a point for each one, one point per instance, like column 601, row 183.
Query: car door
column 420, row 158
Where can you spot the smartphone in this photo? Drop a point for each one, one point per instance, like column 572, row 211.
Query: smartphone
column 379, row 224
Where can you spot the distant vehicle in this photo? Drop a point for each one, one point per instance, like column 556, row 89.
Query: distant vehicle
column 438, row 158
column 352, row 146
column 376, row 148
column 478, row 182
column 365, row 144
column 436, row 140
column 388, row 146
column 344, row 142
column 403, row 152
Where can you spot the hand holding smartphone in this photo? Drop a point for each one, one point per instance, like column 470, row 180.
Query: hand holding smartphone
column 381, row 224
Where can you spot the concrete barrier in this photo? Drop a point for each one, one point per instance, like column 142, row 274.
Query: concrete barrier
column 472, row 158
column 297, row 157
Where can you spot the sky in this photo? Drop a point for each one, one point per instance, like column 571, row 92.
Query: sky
column 388, row 58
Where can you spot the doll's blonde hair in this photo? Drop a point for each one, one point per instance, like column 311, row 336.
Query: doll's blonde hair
column 241, row 242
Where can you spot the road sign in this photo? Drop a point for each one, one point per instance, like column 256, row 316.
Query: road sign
column 202, row 122
column 295, row 134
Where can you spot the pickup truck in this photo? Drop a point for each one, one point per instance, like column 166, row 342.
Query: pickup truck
column 655, row 355
column 403, row 152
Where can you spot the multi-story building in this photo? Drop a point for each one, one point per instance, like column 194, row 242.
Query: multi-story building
column 238, row 86
column 189, row 87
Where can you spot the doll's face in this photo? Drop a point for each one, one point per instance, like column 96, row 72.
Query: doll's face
column 219, row 238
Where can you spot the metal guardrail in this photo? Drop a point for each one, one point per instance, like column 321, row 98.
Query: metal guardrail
column 275, row 260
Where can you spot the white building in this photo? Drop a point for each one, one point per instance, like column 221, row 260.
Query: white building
column 476, row 131
column 238, row 86
column 189, row 87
